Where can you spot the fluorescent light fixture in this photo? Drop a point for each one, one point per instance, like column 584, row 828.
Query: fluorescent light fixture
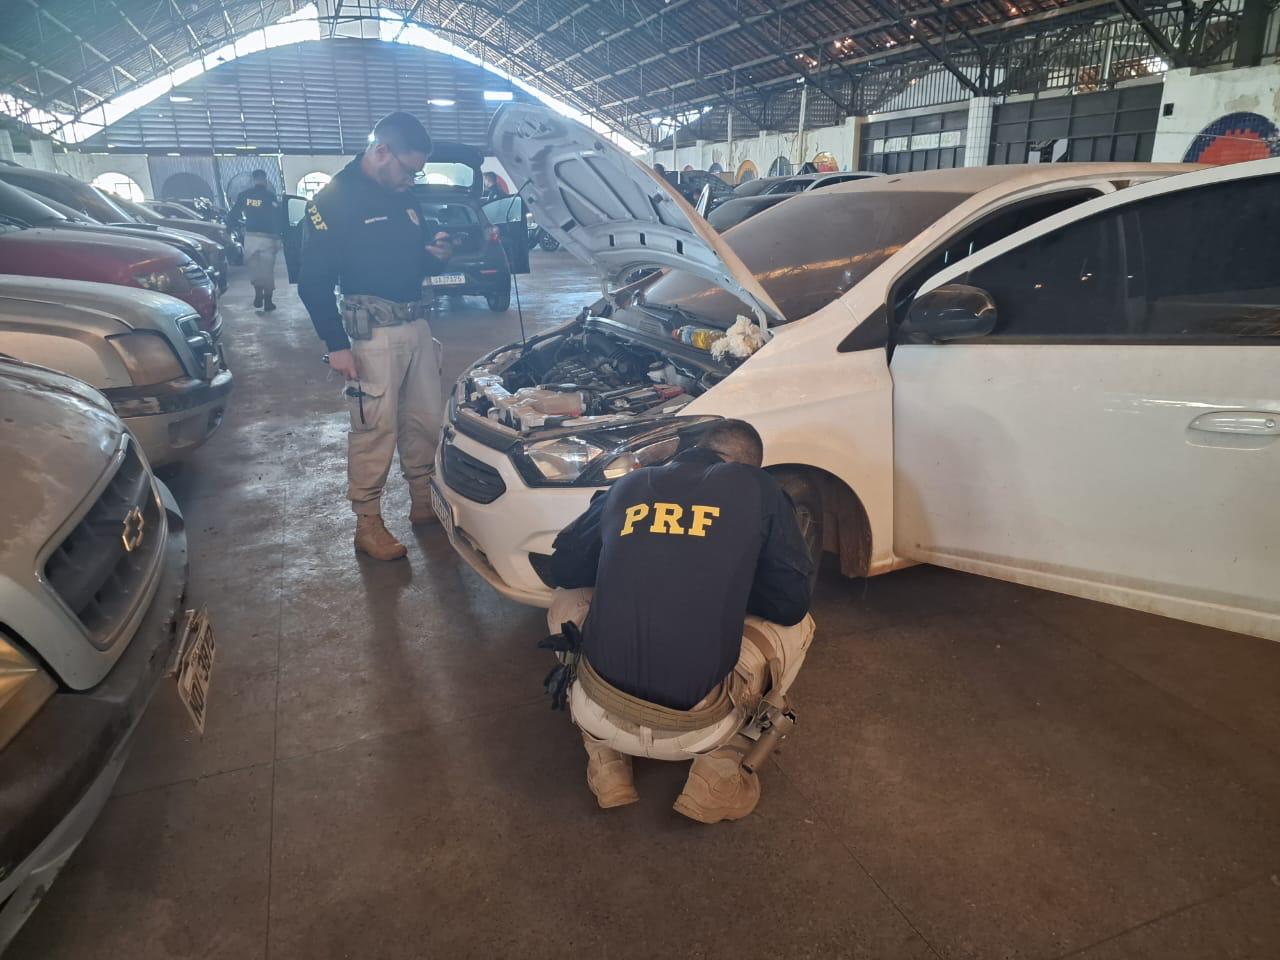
column 498, row 95
column 440, row 102
column 173, row 154
column 179, row 98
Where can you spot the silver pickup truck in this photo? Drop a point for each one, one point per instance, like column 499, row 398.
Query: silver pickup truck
column 93, row 572
column 145, row 351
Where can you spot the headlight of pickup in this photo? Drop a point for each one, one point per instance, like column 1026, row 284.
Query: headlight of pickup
column 162, row 281
column 148, row 357
column 24, row 688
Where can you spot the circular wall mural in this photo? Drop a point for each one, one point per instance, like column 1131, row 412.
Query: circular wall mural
column 747, row 171
column 1234, row 138
column 825, row 163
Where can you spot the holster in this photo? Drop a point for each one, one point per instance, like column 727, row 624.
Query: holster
column 356, row 320
column 362, row 312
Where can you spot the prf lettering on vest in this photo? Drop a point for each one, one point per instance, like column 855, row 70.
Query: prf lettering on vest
column 667, row 517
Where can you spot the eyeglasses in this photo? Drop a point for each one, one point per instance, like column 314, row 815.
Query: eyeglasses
column 407, row 168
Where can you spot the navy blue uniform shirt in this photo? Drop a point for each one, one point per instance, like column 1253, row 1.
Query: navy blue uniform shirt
column 362, row 238
column 679, row 554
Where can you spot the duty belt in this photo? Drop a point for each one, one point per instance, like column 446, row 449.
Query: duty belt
column 361, row 312
column 653, row 715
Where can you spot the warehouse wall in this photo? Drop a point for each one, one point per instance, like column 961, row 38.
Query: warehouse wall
column 1220, row 117
column 763, row 149
column 86, row 166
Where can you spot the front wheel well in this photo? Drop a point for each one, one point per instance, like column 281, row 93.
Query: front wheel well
column 846, row 530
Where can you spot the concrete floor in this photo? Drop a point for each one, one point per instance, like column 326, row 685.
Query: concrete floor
column 981, row 770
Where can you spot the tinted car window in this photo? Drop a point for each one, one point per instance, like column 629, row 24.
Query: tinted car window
column 1158, row 269
column 790, row 186
column 811, row 249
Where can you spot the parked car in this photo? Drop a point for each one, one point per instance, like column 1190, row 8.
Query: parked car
column 145, row 351
column 95, row 205
column 490, row 240
column 132, row 260
column 37, row 211
column 215, row 232
column 690, row 184
column 749, row 188
column 742, row 207
column 181, row 211
column 1051, row 430
column 85, row 640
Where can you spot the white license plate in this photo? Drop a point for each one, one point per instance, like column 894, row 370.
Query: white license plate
column 448, row 279
column 194, row 669
column 444, row 512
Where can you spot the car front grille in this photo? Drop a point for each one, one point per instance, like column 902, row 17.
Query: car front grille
column 469, row 477
column 100, row 569
column 195, row 274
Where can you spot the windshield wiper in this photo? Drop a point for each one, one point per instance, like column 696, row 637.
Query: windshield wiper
column 13, row 221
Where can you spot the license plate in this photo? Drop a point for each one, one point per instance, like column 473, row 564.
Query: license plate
column 448, row 279
column 194, row 669
column 444, row 512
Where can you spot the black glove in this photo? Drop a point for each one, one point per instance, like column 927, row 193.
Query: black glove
column 556, row 683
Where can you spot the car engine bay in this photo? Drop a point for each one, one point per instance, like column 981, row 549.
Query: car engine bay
column 583, row 376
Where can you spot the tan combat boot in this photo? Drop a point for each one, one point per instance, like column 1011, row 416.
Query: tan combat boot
column 718, row 788
column 609, row 776
column 373, row 538
column 421, row 513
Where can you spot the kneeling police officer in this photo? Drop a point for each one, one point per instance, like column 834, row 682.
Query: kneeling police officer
column 697, row 625
column 365, row 235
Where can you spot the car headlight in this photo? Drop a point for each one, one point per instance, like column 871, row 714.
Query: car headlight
column 24, row 688
column 647, row 456
column 148, row 357
column 162, row 281
column 599, row 459
column 562, row 460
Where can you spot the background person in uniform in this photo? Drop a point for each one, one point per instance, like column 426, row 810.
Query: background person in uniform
column 700, row 610
column 364, row 234
column 493, row 190
column 263, row 224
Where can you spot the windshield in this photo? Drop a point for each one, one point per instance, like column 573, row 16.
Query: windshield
column 790, row 186
column 447, row 175
column 111, row 211
column 810, row 250
column 19, row 205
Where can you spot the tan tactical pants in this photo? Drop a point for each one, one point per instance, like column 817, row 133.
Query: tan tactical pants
column 260, row 251
column 401, row 410
column 601, row 729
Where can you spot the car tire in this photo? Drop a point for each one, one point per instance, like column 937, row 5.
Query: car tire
column 500, row 300
column 806, row 493
column 548, row 243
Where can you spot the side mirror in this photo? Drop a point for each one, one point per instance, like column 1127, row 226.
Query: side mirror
column 953, row 311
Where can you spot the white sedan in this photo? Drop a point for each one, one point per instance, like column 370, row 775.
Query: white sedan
column 1064, row 375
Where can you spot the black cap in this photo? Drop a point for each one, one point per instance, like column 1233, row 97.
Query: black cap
column 402, row 132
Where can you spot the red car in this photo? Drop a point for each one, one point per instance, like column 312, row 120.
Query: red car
column 141, row 262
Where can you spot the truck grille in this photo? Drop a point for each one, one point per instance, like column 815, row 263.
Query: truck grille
column 100, row 570
column 470, row 477
column 195, row 274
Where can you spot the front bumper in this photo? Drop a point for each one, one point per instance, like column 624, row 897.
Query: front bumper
column 172, row 419
column 496, row 538
column 58, row 772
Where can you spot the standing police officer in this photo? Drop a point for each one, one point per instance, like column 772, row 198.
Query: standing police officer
column 364, row 234
column 263, row 222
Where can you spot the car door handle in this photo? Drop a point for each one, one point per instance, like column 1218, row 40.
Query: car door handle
column 1249, row 423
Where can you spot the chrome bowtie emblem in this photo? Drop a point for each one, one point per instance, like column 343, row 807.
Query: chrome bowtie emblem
column 134, row 522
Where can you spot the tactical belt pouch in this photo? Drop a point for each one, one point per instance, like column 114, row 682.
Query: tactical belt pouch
column 362, row 312
column 653, row 715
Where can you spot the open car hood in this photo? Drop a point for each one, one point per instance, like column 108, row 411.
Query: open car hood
column 610, row 211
